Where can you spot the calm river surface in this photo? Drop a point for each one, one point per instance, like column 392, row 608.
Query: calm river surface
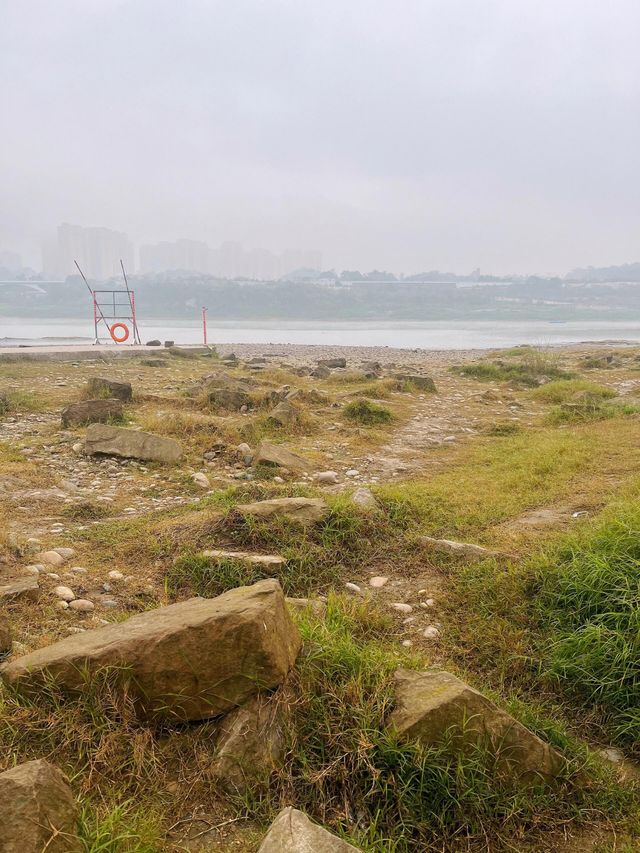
column 449, row 335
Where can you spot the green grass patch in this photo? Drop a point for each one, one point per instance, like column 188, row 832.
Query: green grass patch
column 491, row 483
column 119, row 829
column 367, row 413
column 562, row 390
column 590, row 409
column 532, row 369
column 590, row 599
column 351, row 774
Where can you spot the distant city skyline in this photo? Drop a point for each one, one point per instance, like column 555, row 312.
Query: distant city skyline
column 98, row 251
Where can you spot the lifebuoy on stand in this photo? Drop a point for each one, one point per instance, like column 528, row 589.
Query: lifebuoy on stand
column 121, row 338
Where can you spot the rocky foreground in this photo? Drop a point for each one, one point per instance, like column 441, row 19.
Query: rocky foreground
column 213, row 562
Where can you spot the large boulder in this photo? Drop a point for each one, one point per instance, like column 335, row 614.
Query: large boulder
column 284, row 414
column 38, row 811
column 231, row 399
column 303, row 511
column 250, row 745
column 189, row 661
column 293, row 832
column 332, row 362
column 420, row 383
column 276, row 454
column 321, row 372
column 108, row 440
column 98, row 386
column 91, row 412
column 432, row 706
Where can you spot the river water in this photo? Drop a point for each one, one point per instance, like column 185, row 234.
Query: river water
column 440, row 335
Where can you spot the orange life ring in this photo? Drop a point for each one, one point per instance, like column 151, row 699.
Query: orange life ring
column 119, row 339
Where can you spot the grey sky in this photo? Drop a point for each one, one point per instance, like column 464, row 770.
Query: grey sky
column 405, row 134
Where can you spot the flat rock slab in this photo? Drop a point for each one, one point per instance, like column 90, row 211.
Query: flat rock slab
column 91, row 412
column 433, row 706
column 39, row 811
column 266, row 560
column 293, row 832
column 26, row 587
column 188, row 661
column 420, row 383
column 276, row 454
column 130, row 444
column 463, row 549
column 299, row 510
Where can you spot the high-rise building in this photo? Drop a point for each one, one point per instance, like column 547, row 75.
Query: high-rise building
column 97, row 250
column 190, row 255
column 295, row 259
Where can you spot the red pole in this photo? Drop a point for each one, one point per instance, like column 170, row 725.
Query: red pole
column 136, row 336
column 204, row 324
column 95, row 317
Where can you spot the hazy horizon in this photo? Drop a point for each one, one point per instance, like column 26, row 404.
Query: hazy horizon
column 402, row 136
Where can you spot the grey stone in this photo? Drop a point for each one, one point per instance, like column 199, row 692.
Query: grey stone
column 293, row 832
column 420, row 383
column 91, row 412
column 188, row 661
column 250, row 745
column 106, row 440
column 39, row 811
column 433, row 706
column 278, row 455
column 303, row 511
column 99, row 386
column 26, row 587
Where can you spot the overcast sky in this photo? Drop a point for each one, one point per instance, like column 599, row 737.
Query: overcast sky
column 399, row 134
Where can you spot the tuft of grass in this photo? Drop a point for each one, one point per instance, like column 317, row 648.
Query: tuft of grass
column 562, row 390
column 534, row 368
column 208, row 577
column 86, row 511
column 119, row 829
column 590, row 599
column 367, row 413
column 590, row 408
column 504, row 428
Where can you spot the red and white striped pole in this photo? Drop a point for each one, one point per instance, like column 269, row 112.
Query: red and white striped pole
column 204, row 324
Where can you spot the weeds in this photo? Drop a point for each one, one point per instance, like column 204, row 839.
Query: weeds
column 534, row 368
column 367, row 413
column 122, row 829
column 590, row 598
column 590, row 408
column 562, row 390
column 356, row 776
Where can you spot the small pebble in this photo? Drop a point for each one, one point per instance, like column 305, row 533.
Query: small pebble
column 401, row 607
column 407, row 643
column 78, row 570
column 115, row 576
column 431, row 632
column 378, row 582
column 352, row 587
column 81, row 604
column 62, row 605
column 65, row 593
